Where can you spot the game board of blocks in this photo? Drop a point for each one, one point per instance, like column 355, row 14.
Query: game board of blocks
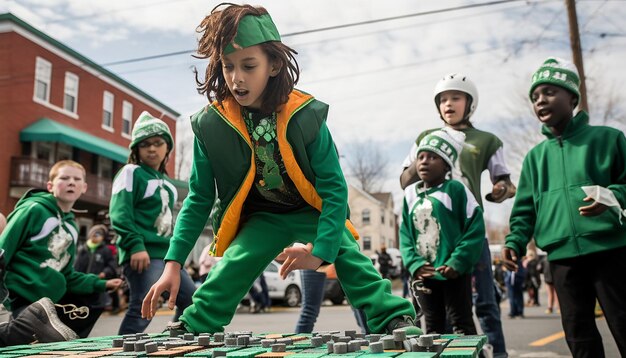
column 348, row 344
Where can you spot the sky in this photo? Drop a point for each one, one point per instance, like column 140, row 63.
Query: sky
column 378, row 74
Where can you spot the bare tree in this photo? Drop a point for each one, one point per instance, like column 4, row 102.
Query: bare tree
column 367, row 164
column 184, row 152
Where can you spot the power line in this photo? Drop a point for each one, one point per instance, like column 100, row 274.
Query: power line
column 329, row 28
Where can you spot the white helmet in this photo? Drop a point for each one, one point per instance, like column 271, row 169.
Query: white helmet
column 458, row 82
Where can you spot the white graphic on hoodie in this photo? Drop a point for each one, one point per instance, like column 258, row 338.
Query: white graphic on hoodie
column 58, row 244
column 428, row 228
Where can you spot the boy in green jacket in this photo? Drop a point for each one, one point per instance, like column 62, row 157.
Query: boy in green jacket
column 442, row 234
column 266, row 166
column 39, row 244
column 572, row 189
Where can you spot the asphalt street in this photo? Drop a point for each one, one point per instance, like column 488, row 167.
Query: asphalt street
column 537, row 335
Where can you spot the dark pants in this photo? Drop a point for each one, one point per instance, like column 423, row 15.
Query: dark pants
column 449, row 298
column 579, row 282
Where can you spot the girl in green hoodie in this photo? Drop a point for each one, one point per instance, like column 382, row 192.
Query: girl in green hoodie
column 265, row 164
column 141, row 213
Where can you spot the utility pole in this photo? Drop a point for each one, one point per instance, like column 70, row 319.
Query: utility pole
column 577, row 54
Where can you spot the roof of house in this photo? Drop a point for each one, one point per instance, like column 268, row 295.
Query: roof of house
column 8, row 17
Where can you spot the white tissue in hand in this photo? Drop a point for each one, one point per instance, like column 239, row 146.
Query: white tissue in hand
column 604, row 196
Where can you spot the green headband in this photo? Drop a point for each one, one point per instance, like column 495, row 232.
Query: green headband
column 253, row 30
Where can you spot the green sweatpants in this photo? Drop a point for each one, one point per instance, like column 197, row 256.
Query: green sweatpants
column 262, row 237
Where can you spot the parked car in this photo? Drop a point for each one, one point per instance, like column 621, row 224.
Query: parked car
column 396, row 259
column 287, row 291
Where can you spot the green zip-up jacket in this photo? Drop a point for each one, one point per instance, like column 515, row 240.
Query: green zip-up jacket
column 549, row 192
column 141, row 197
column 224, row 168
column 40, row 243
column 442, row 225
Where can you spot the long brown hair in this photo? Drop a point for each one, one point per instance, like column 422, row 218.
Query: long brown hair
column 218, row 29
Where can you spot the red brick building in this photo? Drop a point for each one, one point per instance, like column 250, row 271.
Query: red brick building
column 57, row 104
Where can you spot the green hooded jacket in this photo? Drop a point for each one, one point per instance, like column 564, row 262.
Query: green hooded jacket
column 40, row 243
column 549, row 192
column 224, row 168
column 141, row 206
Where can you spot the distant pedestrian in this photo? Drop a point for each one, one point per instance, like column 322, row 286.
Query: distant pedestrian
column 385, row 263
column 532, row 280
column 553, row 300
column 96, row 258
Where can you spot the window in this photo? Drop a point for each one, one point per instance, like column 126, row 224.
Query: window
column 107, row 110
column 63, row 152
column 127, row 117
column 105, row 167
column 367, row 243
column 43, row 151
column 365, row 216
column 43, row 76
column 382, row 217
column 71, row 92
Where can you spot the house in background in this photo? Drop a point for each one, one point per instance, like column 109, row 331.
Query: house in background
column 57, row 104
column 374, row 219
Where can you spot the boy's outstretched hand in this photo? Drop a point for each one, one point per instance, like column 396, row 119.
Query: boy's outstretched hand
column 447, row 272
column 509, row 259
column 592, row 210
column 113, row 284
column 170, row 282
column 298, row 258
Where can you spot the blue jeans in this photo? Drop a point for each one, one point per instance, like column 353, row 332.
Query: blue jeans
column 139, row 284
column 312, row 297
column 487, row 309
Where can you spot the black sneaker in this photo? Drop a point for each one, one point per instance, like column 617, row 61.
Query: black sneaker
column 404, row 323
column 176, row 329
column 40, row 323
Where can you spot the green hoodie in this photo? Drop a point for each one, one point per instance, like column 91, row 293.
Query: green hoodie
column 549, row 192
column 443, row 225
column 141, row 207
column 40, row 242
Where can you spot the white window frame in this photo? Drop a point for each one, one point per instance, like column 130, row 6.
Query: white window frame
column 108, row 95
column 43, row 73
column 127, row 116
column 366, row 216
column 105, row 164
column 62, row 149
column 70, row 92
column 367, row 243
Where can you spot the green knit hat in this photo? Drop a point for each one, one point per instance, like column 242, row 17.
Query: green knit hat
column 253, row 30
column 557, row 72
column 147, row 126
column 447, row 143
